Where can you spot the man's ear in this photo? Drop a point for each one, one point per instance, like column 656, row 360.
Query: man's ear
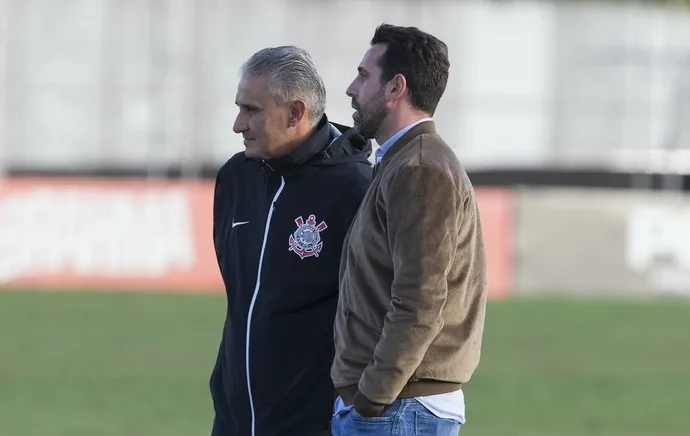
column 397, row 87
column 297, row 111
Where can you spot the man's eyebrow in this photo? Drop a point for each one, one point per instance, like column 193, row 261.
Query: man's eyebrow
column 246, row 105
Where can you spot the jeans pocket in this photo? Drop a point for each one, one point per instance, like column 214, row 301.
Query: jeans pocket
column 347, row 422
column 342, row 412
column 430, row 424
column 374, row 426
column 383, row 418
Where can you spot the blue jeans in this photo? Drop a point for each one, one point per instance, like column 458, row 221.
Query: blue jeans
column 406, row 417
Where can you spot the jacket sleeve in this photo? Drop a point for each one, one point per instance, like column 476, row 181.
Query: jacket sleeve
column 216, row 190
column 424, row 209
column 220, row 190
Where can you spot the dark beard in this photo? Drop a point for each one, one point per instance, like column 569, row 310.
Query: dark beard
column 371, row 118
column 369, row 123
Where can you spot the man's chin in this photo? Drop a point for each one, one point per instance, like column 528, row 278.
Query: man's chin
column 251, row 154
column 260, row 154
column 364, row 132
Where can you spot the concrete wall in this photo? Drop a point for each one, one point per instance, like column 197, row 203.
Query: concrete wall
column 598, row 242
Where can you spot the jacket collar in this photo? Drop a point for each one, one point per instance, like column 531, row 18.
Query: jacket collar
column 293, row 162
column 420, row 129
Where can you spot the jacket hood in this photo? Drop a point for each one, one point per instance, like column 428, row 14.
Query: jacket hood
column 332, row 144
column 347, row 145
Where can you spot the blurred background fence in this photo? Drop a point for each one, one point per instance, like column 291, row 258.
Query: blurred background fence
column 149, row 85
column 583, row 96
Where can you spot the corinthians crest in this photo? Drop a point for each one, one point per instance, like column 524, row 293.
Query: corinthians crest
column 306, row 241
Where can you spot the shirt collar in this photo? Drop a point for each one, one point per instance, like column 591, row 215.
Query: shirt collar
column 389, row 143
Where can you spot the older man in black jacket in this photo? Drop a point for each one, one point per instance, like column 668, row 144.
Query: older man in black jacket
column 281, row 211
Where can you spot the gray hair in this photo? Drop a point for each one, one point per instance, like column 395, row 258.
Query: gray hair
column 291, row 76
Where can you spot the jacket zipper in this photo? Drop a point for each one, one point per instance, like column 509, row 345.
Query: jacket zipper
column 256, row 292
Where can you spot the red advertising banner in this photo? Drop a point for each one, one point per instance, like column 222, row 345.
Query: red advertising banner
column 107, row 234
column 496, row 213
column 153, row 235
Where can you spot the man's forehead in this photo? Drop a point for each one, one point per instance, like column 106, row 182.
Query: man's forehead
column 252, row 89
column 372, row 56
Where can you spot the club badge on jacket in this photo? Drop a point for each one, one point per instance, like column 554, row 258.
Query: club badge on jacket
column 306, row 240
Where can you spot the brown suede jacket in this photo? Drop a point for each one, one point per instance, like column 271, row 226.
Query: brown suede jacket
column 412, row 280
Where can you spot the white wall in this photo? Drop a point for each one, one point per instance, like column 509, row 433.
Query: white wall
column 532, row 83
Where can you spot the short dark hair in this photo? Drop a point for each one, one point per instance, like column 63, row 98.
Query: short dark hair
column 420, row 57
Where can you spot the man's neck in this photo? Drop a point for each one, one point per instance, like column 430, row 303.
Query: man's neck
column 303, row 135
column 300, row 138
column 397, row 124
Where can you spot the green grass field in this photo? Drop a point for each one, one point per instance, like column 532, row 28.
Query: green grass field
column 97, row 364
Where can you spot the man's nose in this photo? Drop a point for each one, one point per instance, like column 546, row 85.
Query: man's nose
column 350, row 91
column 240, row 125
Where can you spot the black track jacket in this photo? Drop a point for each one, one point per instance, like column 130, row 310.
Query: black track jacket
column 278, row 230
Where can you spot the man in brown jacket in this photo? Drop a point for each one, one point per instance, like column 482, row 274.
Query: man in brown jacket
column 410, row 318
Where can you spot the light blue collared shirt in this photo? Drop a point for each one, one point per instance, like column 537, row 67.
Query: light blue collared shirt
column 393, row 139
